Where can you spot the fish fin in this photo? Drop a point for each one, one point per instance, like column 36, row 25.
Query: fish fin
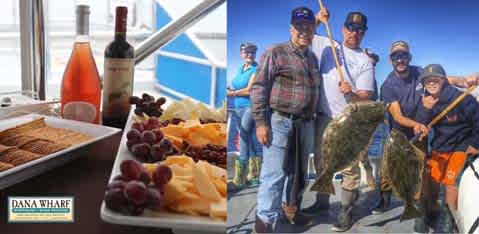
column 410, row 212
column 324, row 184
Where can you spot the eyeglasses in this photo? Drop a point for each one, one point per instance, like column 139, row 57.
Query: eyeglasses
column 356, row 28
column 403, row 56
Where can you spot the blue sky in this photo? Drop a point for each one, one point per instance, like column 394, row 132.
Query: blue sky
column 443, row 32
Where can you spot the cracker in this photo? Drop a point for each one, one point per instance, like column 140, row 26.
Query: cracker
column 41, row 146
column 23, row 128
column 18, row 140
column 5, row 166
column 17, row 156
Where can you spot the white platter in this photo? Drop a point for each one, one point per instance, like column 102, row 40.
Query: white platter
column 180, row 223
column 38, row 166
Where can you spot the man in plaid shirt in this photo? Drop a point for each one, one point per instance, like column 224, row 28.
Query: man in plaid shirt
column 284, row 99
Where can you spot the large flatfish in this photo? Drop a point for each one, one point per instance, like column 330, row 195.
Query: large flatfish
column 345, row 137
column 403, row 163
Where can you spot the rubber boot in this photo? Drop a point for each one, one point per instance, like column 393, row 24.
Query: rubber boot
column 239, row 177
column 257, row 161
column 421, row 223
column 385, row 200
column 253, row 172
column 445, row 221
column 321, row 203
column 262, row 227
column 345, row 218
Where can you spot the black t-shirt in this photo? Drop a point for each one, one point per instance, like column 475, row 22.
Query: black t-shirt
column 407, row 92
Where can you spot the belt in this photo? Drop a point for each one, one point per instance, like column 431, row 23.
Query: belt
column 292, row 116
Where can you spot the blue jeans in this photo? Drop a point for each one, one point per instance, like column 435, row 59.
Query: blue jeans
column 375, row 149
column 249, row 145
column 233, row 129
column 272, row 189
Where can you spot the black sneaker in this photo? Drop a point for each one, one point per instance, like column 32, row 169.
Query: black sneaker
column 345, row 220
column 321, row 204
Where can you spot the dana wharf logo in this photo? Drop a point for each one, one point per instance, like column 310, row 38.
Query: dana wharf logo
column 41, row 209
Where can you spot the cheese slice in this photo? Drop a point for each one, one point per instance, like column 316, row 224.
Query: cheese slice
column 205, row 187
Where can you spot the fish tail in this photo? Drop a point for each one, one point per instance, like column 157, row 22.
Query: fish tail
column 410, row 212
column 324, row 184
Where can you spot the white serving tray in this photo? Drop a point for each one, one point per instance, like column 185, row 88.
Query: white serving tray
column 38, row 166
column 180, row 223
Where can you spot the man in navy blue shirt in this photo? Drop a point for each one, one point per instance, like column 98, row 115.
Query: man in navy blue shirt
column 403, row 90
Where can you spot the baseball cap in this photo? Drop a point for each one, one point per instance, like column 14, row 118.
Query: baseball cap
column 248, row 46
column 399, row 46
column 431, row 70
column 356, row 19
column 302, row 14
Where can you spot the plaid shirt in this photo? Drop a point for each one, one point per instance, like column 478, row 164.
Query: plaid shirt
column 287, row 80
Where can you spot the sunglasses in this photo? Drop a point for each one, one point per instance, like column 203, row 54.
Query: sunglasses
column 432, row 81
column 403, row 56
column 304, row 27
column 355, row 28
column 249, row 52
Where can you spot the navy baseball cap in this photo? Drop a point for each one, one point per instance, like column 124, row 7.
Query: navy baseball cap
column 248, row 46
column 302, row 14
column 432, row 70
column 357, row 20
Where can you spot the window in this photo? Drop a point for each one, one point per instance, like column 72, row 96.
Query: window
column 10, row 58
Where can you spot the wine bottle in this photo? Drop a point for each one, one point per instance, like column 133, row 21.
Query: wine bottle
column 118, row 77
column 80, row 90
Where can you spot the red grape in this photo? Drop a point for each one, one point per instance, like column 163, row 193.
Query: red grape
column 135, row 192
column 176, row 121
column 116, row 184
column 134, row 136
column 162, row 175
column 160, row 102
column 134, row 100
column 141, row 150
column 114, row 199
column 153, row 121
column 166, row 145
column 154, row 199
column 130, row 144
column 159, row 134
column 157, row 152
column 148, row 137
column 146, row 97
column 131, row 169
column 144, row 177
column 135, row 210
column 138, row 126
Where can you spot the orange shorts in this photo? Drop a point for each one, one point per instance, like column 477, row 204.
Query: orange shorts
column 446, row 166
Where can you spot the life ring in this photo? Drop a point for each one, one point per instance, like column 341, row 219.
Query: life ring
column 468, row 201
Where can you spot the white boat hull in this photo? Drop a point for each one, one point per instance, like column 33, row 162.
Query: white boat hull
column 468, row 200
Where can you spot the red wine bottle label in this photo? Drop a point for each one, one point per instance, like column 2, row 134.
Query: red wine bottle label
column 117, row 87
column 80, row 111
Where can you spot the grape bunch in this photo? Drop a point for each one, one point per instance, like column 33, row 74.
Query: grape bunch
column 213, row 154
column 147, row 105
column 147, row 142
column 133, row 190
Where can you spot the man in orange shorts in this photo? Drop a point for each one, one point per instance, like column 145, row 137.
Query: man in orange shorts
column 455, row 136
